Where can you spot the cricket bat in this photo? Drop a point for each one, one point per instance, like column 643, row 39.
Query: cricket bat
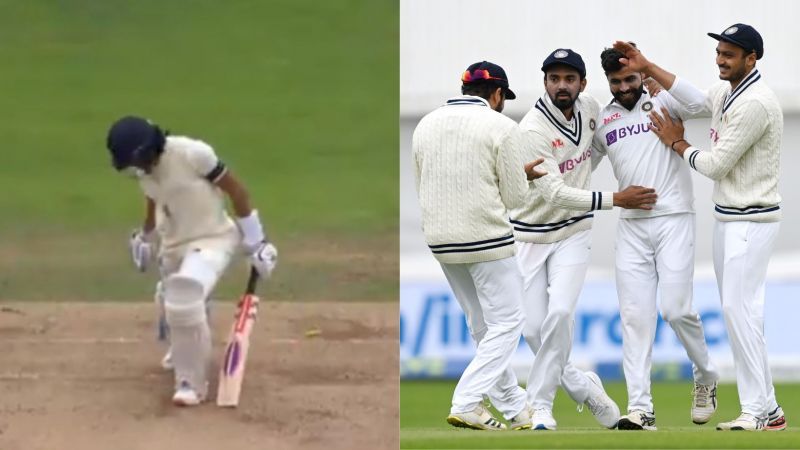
column 231, row 373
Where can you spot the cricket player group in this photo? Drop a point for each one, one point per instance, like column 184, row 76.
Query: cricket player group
column 507, row 211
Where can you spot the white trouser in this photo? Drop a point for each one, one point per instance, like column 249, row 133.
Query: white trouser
column 490, row 293
column 189, row 274
column 657, row 254
column 553, row 276
column 741, row 254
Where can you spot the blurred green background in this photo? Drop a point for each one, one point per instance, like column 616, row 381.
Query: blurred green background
column 298, row 97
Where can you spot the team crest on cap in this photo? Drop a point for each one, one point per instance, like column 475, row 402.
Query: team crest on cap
column 592, row 124
column 647, row 106
column 731, row 30
column 561, row 54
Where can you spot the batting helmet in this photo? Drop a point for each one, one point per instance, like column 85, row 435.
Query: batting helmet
column 134, row 141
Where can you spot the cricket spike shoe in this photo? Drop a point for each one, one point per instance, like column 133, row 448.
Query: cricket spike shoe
column 600, row 404
column 704, row 402
column 776, row 420
column 522, row 421
column 186, row 395
column 745, row 422
column 543, row 419
column 477, row 419
column 638, row 420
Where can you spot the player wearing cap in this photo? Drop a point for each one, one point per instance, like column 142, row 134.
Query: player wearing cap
column 552, row 230
column 469, row 173
column 744, row 162
column 655, row 248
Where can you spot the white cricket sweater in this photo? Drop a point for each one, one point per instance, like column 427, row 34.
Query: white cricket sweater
column 189, row 206
column 469, row 172
column 638, row 156
column 559, row 205
column 744, row 160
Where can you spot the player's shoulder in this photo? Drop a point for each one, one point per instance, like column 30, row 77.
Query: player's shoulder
column 534, row 119
column 589, row 104
column 763, row 94
column 187, row 145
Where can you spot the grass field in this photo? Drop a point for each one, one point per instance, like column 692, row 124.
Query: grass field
column 424, row 405
column 298, row 97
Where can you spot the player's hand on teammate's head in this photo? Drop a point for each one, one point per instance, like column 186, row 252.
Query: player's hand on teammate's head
column 636, row 197
column 665, row 127
column 633, row 59
column 531, row 172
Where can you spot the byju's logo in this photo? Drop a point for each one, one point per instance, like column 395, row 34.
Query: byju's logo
column 611, row 137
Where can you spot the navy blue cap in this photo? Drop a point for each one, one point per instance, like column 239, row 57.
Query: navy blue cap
column 744, row 36
column 497, row 77
column 566, row 57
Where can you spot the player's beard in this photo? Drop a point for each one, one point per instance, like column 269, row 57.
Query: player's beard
column 563, row 103
column 629, row 101
column 734, row 75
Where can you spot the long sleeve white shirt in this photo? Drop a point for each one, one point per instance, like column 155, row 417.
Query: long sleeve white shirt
column 744, row 160
column 559, row 204
column 469, row 172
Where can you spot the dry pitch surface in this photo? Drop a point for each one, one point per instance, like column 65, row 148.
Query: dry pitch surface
column 87, row 376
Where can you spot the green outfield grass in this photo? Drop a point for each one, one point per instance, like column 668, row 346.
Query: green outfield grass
column 424, row 405
column 298, row 97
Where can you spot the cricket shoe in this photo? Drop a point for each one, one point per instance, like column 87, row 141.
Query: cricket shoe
column 745, row 422
column 522, row 421
column 775, row 420
column 186, row 395
column 638, row 420
column 166, row 361
column 704, row 402
column 543, row 419
column 477, row 419
column 600, row 404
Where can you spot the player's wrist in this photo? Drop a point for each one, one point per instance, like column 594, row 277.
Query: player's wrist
column 680, row 146
column 252, row 230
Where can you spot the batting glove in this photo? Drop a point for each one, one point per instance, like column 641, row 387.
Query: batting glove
column 141, row 249
column 264, row 259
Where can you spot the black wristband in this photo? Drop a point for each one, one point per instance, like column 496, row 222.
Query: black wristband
column 673, row 144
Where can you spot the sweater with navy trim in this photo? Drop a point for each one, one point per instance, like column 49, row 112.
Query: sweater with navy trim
column 560, row 204
column 469, row 173
column 745, row 155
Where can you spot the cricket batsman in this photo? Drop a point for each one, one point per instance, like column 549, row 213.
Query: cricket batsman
column 185, row 185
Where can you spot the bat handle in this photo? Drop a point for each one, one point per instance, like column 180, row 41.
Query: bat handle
column 252, row 281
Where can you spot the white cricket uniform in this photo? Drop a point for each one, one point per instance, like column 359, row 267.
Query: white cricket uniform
column 190, row 209
column 468, row 167
column 744, row 162
column 655, row 248
column 553, row 233
column 198, row 239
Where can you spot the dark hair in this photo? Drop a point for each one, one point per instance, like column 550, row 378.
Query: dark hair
column 483, row 90
column 610, row 59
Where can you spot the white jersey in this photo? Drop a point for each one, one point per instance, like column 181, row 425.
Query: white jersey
column 639, row 158
column 469, row 172
column 745, row 156
column 189, row 206
column 559, row 205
